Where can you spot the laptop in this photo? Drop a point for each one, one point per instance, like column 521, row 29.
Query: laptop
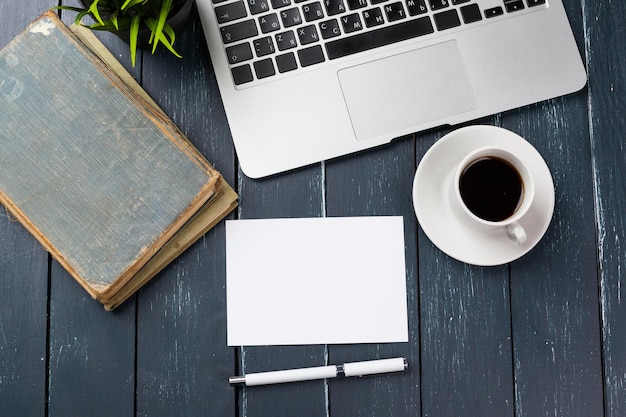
column 304, row 81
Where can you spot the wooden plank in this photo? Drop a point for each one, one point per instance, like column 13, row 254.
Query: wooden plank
column 183, row 363
column 91, row 351
column 465, row 328
column 23, row 280
column 554, row 296
column 23, row 322
column 554, row 289
column 607, row 101
column 297, row 194
column 378, row 183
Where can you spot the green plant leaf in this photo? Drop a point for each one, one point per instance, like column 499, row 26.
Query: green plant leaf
column 107, row 25
column 81, row 12
column 93, row 10
column 169, row 31
column 131, row 15
column 163, row 13
column 151, row 23
column 114, row 20
column 79, row 16
column 71, row 8
column 130, row 3
column 134, row 32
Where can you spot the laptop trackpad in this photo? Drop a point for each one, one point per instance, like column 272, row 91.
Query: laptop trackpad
column 406, row 90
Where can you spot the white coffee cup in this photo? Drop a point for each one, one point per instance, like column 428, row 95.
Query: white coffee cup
column 492, row 190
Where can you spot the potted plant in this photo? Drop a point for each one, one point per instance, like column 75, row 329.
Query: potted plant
column 142, row 23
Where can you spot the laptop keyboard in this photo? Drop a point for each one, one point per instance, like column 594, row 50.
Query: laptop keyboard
column 266, row 38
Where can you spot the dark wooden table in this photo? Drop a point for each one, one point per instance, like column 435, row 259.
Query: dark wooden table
column 542, row 336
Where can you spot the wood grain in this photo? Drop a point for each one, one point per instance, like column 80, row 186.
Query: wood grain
column 379, row 183
column 23, row 280
column 183, row 363
column 466, row 332
column 88, row 352
column 604, row 30
column 554, row 289
column 543, row 336
column 300, row 194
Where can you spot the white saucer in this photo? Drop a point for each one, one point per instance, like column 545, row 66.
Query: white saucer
column 431, row 197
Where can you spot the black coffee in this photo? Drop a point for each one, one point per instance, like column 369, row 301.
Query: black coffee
column 491, row 188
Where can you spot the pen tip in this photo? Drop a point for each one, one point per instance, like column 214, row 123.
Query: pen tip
column 237, row 380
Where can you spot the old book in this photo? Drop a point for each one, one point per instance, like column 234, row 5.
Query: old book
column 93, row 168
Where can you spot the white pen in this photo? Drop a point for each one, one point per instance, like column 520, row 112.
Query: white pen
column 379, row 366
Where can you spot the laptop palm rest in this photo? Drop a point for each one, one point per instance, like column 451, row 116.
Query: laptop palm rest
column 406, row 90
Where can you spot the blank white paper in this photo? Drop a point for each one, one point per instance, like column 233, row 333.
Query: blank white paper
column 331, row 280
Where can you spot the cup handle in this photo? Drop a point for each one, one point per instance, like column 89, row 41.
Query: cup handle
column 516, row 233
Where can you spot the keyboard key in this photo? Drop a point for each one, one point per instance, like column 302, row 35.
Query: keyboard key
column 493, row 12
column 286, row 40
column 416, row 7
column 447, row 20
column 455, row 2
column 334, row 7
column 351, row 23
column 307, row 35
column 230, row 12
column 311, row 56
column 239, row 31
column 312, row 11
column 394, row 11
column 269, row 23
column 373, row 17
column 357, row 4
column 263, row 46
column 330, row 29
column 513, row 6
column 264, row 68
column 438, row 4
column 239, row 53
column 242, row 74
column 286, row 62
column 377, row 1
column 379, row 37
column 532, row 3
column 471, row 13
column 258, row 6
column 277, row 4
column 291, row 17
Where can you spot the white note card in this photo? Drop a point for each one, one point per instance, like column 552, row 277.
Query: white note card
column 330, row 280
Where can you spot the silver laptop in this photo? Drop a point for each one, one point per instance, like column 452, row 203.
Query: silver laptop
column 308, row 80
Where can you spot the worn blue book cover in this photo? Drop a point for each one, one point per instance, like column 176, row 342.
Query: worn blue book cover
column 97, row 173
